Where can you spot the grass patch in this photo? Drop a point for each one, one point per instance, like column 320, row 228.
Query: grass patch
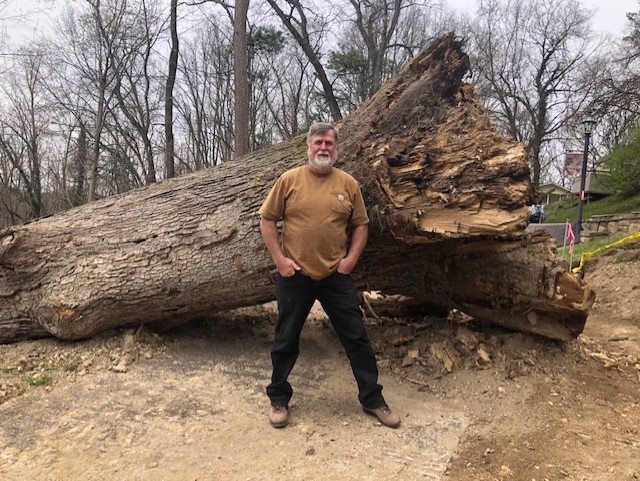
column 613, row 204
column 71, row 367
column 42, row 380
column 591, row 245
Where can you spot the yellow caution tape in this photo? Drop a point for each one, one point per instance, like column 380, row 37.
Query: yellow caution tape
column 587, row 255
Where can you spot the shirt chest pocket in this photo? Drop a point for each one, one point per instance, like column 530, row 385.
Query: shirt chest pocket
column 340, row 204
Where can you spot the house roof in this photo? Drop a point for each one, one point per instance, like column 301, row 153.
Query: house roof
column 551, row 188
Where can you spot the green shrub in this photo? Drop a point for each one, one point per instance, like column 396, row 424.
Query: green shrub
column 624, row 165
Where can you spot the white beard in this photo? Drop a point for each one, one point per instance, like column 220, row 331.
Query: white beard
column 322, row 161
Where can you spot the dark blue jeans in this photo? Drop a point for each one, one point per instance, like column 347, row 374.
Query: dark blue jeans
column 339, row 299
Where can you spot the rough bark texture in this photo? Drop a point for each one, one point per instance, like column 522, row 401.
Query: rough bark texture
column 517, row 284
column 446, row 195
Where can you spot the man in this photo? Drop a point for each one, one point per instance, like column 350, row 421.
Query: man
column 317, row 203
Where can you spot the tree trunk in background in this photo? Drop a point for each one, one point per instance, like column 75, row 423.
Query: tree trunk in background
column 446, row 195
column 169, row 151
column 241, row 80
column 298, row 28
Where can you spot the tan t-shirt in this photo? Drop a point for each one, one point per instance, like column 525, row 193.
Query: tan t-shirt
column 316, row 210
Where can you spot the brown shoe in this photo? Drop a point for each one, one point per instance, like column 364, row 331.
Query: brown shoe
column 279, row 416
column 385, row 415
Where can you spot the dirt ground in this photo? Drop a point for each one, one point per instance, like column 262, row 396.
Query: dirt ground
column 477, row 402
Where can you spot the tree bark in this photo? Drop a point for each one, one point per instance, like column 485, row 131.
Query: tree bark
column 241, row 95
column 169, row 149
column 446, row 196
column 298, row 29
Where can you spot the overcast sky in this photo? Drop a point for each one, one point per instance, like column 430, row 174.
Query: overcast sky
column 610, row 15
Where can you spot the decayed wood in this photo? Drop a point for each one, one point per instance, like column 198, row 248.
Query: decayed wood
column 518, row 284
column 444, row 191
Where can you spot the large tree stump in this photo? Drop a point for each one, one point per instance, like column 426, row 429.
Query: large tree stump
column 446, row 194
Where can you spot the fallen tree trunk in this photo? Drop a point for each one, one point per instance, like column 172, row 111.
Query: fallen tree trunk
column 520, row 284
column 446, row 195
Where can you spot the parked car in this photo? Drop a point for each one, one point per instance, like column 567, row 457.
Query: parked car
column 537, row 214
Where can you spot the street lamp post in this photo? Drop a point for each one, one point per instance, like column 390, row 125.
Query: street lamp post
column 587, row 127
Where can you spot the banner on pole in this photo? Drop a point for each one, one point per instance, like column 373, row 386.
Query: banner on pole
column 573, row 165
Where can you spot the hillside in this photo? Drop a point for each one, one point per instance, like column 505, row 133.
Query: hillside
column 560, row 212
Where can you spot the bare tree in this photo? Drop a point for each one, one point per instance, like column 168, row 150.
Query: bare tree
column 105, row 77
column 527, row 59
column 206, row 97
column 294, row 17
column 376, row 22
column 287, row 92
column 381, row 36
column 617, row 103
column 130, row 49
column 77, row 192
column 169, row 149
column 22, row 125
column 85, row 70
